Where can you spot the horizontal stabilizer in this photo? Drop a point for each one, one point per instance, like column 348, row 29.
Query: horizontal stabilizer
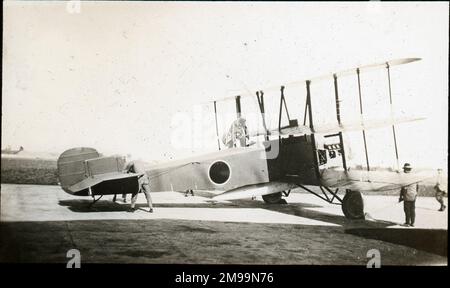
column 97, row 179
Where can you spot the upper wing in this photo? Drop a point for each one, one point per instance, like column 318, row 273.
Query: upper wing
column 342, row 73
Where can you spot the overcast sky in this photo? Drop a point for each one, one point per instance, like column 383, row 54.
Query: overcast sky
column 131, row 77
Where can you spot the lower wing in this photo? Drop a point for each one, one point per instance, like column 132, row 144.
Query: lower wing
column 357, row 180
column 360, row 180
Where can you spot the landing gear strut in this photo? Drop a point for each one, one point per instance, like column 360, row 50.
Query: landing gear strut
column 189, row 191
column 353, row 205
column 94, row 201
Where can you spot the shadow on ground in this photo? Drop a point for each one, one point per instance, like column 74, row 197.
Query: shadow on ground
column 295, row 209
column 377, row 230
column 429, row 240
column 86, row 206
column 304, row 210
column 83, row 205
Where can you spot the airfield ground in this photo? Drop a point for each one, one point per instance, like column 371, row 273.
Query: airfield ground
column 41, row 223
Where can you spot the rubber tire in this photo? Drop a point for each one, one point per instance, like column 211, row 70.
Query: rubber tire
column 274, row 198
column 353, row 205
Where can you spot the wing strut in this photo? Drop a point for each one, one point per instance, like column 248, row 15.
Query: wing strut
column 260, row 98
column 393, row 126
column 217, row 127
column 338, row 116
column 311, row 125
column 361, row 111
column 282, row 101
column 238, row 106
column 308, row 105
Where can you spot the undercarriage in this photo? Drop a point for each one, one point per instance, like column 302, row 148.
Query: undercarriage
column 352, row 203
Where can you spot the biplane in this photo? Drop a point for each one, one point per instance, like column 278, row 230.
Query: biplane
column 291, row 157
column 13, row 152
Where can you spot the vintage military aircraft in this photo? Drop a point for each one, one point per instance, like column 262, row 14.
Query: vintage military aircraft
column 291, row 156
column 13, row 152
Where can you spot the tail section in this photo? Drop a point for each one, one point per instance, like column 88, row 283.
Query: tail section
column 71, row 166
column 82, row 172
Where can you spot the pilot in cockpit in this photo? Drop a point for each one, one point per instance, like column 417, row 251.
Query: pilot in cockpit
column 237, row 134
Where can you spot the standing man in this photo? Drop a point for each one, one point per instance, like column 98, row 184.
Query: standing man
column 408, row 195
column 144, row 185
column 440, row 192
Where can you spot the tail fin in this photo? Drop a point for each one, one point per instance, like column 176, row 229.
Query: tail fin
column 71, row 166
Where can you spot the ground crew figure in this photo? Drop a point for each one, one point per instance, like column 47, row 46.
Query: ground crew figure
column 236, row 132
column 124, row 198
column 144, row 186
column 440, row 192
column 408, row 195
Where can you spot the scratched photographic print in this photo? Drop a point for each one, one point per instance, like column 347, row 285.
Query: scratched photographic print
column 236, row 133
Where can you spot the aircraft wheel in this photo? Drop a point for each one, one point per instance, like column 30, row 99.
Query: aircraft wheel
column 274, row 198
column 353, row 205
